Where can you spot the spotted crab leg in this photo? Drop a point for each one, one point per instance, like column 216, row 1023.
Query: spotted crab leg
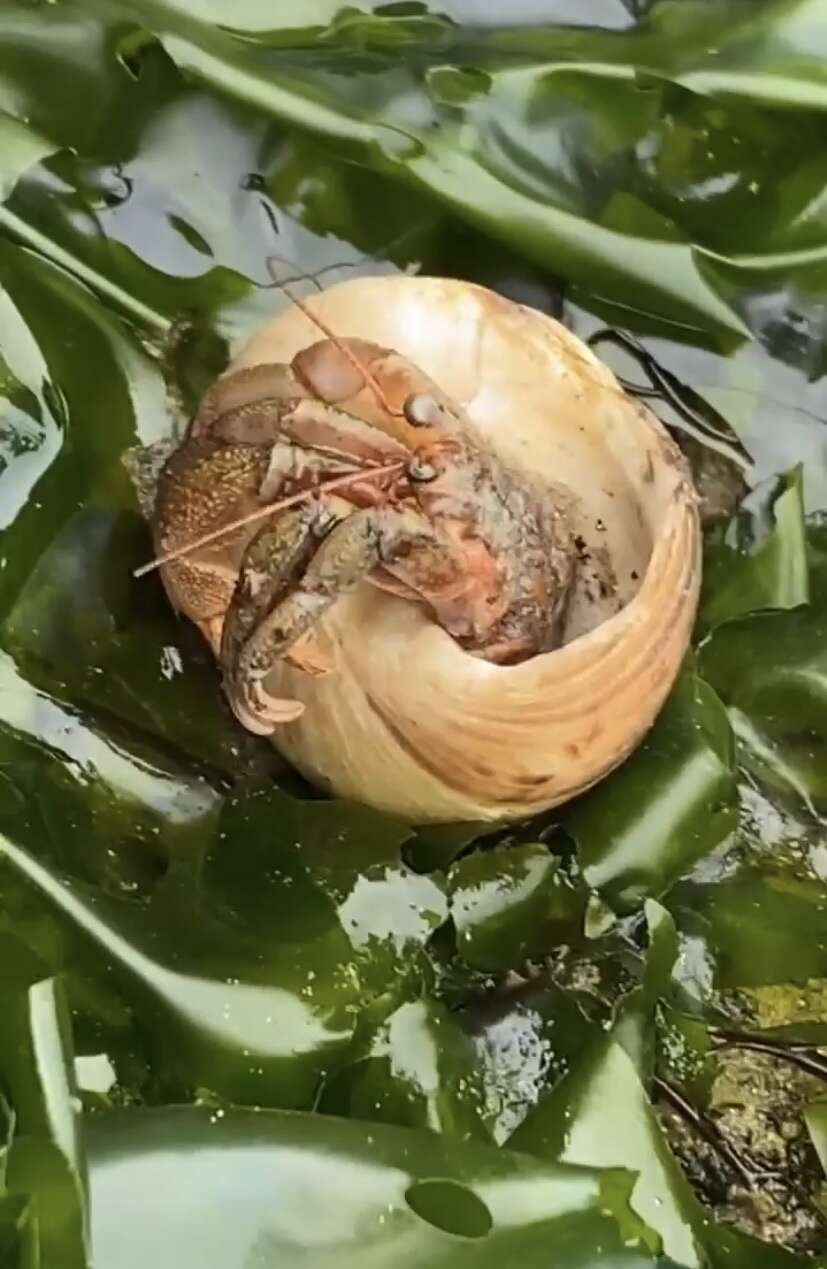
column 274, row 563
column 347, row 555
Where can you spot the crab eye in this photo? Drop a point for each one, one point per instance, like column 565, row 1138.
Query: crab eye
column 421, row 471
column 422, row 410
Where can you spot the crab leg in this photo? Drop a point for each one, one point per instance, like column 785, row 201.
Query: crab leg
column 273, row 563
column 347, row 555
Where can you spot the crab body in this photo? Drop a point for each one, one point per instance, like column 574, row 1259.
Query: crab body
column 428, row 513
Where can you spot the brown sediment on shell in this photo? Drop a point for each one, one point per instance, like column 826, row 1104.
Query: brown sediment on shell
column 406, row 720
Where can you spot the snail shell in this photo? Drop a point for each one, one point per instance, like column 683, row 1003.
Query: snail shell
column 410, row 723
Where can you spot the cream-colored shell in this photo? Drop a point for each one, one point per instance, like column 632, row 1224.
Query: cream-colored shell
column 410, row 723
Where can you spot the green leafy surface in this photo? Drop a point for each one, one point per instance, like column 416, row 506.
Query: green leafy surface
column 165, row 1178
column 769, row 671
column 45, row 1164
column 762, row 561
column 670, row 804
column 816, row 1117
column 509, row 903
column 243, row 1026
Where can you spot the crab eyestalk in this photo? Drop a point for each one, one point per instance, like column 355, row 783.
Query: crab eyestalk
column 423, row 410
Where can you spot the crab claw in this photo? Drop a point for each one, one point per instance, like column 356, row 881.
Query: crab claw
column 267, row 712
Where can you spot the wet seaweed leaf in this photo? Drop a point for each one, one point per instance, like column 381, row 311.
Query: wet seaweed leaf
column 761, row 562
column 769, row 670
column 718, row 459
column 634, row 1023
column 17, row 1240
column 600, row 1109
column 758, row 926
column 248, row 968
column 59, row 438
column 21, row 147
column 815, row 1117
column 671, row 803
column 600, row 1113
column 510, row 903
column 396, row 134
column 241, row 1187
column 45, row 1167
column 419, row 1070
column 114, row 644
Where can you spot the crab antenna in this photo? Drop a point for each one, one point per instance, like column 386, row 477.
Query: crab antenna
column 336, row 482
column 369, row 378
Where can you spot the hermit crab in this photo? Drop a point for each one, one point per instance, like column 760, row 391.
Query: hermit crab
column 440, row 555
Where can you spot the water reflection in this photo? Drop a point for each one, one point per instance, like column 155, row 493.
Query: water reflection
column 30, row 434
column 89, row 756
